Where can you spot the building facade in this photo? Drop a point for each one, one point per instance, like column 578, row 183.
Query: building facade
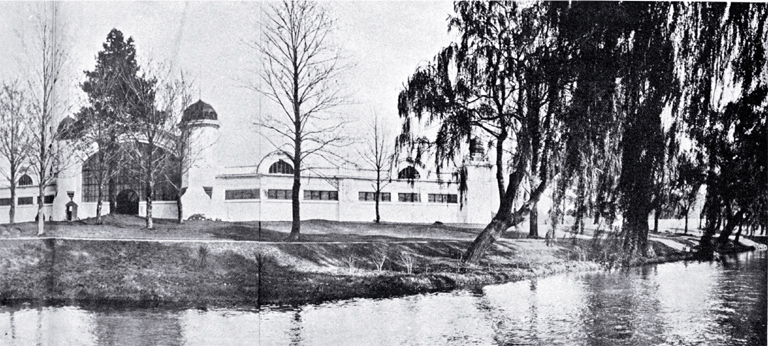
column 262, row 191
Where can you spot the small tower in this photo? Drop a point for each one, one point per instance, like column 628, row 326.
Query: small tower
column 200, row 131
column 482, row 198
column 68, row 182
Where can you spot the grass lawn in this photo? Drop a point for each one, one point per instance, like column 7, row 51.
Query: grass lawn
column 213, row 263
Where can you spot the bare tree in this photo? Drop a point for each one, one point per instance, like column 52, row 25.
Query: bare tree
column 182, row 156
column 299, row 74
column 44, row 69
column 149, row 113
column 14, row 138
column 378, row 153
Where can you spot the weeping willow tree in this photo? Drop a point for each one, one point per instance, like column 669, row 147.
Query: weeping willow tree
column 723, row 47
column 563, row 90
column 505, row 80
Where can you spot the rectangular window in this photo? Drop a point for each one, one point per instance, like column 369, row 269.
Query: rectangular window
column 48, row 199
column 5, row 201
column 279, row 194
column 408, row 197
column 26, row 201
column 370, row 196
column 318, row 195
column 442, row 198
column 242, row 194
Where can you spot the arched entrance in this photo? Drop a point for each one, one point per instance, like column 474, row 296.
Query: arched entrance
column 71, row 211
column 127, row 202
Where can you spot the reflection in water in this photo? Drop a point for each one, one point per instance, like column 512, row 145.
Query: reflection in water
column 714, row 303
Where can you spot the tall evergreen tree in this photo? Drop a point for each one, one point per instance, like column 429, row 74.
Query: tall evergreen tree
column 104, row 118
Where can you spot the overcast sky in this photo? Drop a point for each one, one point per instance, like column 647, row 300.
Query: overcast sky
column 385, row 41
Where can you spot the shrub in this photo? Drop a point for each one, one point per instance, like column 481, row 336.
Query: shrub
column 202, row 256
column 407, row 261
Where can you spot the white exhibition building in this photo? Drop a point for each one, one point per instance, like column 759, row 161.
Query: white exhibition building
column 263, row 191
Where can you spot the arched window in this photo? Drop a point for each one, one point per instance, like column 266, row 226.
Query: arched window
column 25, row 180
column 128, row 177
column 281, row 167
column 408, row 173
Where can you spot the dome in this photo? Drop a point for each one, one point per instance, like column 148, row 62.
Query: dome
column 68, row 129
column 199, row 111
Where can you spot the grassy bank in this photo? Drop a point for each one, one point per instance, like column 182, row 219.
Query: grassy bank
column 212, row 265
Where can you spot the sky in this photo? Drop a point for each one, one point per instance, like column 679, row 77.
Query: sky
column 384, row 41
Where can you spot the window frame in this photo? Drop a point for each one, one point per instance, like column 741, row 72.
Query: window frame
column 362, row 196
column 443, row 198
column 281, row 167
column 321, row 195
column 412, row 197
column 25, row 180
column 280, row 194
column 242, row 194
column 409, row 173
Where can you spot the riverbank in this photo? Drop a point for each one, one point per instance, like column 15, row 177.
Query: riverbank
column 225, row 265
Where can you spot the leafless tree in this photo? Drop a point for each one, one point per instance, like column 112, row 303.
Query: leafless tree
column 181, row 155
column 44, row 69
column 148, row 118
column 156, row 103
column 299, row 70
column 14, row 137
column 378, row 153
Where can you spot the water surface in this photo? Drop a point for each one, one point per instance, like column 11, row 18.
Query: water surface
column 709, row 303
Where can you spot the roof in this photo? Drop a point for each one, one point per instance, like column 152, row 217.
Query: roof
column 199, row 111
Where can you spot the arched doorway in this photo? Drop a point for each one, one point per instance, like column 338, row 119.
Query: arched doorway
column 71, row 211
column 127, row 202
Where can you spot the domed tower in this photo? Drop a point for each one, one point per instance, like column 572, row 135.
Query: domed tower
column 200, row 129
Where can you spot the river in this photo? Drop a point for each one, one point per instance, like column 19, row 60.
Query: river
column 709, row 303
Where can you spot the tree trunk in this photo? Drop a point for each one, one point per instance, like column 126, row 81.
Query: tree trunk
column 40, row 216
column 534, row 222
column 180, row 208
column 487, row 237
column 578, row 225
column 738, row 236
column 504, row 218
column 377, row 195
column 686, row 223
column 730, row 225
column 12, row 210
column 111, row 193
column 636, row 228
column 712, row 210
column 296, row 208
column 656, row 216
column 99, row 203
column 149, row 187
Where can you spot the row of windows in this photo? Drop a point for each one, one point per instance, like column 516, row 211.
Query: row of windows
column 442, row 198
column 371, row 196
column 282, row 167
column 26, row 201
column 410, row 197
column 320, row 195
column 317, row 195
